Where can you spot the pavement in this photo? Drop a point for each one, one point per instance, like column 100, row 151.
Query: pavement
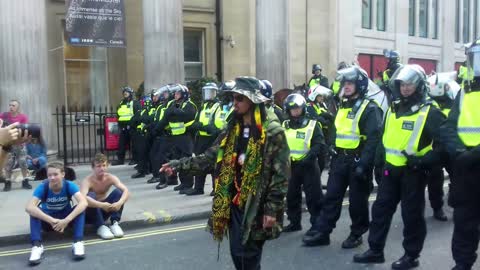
column 189, row 246
column 145, row 207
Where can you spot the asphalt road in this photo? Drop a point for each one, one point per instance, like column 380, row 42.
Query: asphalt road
column 189, row 246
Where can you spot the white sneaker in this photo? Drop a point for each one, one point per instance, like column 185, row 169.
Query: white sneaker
column 78, row 250
column 105, row 233
column 116, row 230
column 36, row 255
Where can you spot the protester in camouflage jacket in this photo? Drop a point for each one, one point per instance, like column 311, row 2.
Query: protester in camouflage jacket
column 263, row 174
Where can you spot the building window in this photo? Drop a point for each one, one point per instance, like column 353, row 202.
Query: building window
column 367, row 14
column 457, row 21
column 381, row 11
column 86, row 80
column 194, row 54
column 423, row 18
column 466, row 21
column 435, row 18
column 411, row 18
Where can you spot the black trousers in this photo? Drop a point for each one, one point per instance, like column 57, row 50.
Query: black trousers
column 435, row 187
column 158, row 154
column 340, row 178
column 202, row 143
column 465, row 200
column 181, row 146
column 248, row 256
column 406, row 186
column 140, row 149
column 123, row 141
column 306, row 174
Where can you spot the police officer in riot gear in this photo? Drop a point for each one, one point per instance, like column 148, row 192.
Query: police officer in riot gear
column 442, row 94
column 179, row 116
column 203, row 127
column 305, row 140
column 392, row 66
column 409, row 149
column 266, row 89
column 356, row 136
column 125, row 111
column 156, row 129
column 317, row 78
column 463, row 144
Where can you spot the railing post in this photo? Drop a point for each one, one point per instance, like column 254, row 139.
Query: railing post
column 64, row 134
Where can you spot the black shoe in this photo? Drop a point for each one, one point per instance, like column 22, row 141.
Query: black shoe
column 405, row 262
column 193, row 192
column 461, row 267
column 138, row 175
column 132, row 162
column 318, row 239
column 8, row 186
column 311, row 232
column 26, row 185
column 172, row 181
column 212, row 193
column 161, row 185
column 117, row 162
column 439, row 215
column 352, row 241
column 179, row 187
column 369, row 256
column 184, row 190
column 292, row 227
column 153, row 180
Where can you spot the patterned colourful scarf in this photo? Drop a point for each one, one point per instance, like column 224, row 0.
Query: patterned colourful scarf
column 226, row 181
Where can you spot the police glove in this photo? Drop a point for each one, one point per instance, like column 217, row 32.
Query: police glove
column 414, row 162
column 210, row 129
column 468, row 159
column 332, row 151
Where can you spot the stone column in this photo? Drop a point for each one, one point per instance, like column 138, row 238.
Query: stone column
column 23, row 62
column 163, row 42
column 272, row 42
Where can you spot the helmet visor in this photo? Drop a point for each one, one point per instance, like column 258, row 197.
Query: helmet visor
column 406, row 75
column 347, row 74
column 209, row 93
column 473, row 62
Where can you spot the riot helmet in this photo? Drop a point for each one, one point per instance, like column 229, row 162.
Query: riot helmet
column 473, row 61
column 318, row 90
column 129, row 90
column 266, row 88
column 409, row 83
column 294, row 101
column 209, row 91
column 393, row 57
column 316, row 67
column 355, row 75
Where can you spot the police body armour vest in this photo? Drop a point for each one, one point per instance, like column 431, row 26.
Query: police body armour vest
column 205, row 117
column 469, row 118
column 221, row 116
column 179, row 128
column 299, row 139
column 348, row 132
column 403, row 135
column 125, row 112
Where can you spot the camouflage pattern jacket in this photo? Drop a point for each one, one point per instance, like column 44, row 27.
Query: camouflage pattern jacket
column 270, row 198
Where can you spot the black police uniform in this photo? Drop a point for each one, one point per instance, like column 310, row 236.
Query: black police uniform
column 344, row 174
column 306, row 173
column 464, row 190
column 406, row 184
column 125, row 131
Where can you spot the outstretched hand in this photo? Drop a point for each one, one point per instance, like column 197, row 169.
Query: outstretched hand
column 167, row 169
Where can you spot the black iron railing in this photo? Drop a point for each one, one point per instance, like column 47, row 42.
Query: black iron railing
column 81, row 134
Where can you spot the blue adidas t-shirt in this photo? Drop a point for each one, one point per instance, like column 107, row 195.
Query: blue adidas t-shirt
column 56, row 201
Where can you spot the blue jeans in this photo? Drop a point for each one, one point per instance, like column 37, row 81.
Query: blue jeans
column 36, row 225
column 42, row 162
column 97, row 216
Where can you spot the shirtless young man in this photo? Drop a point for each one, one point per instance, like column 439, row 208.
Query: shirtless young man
column 101, row 204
